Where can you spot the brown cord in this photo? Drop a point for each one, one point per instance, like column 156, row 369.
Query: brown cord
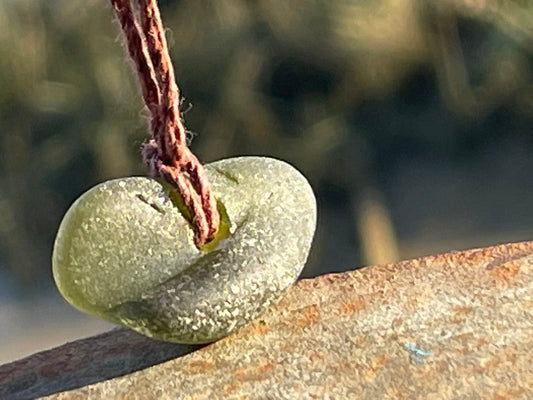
column 166, row 153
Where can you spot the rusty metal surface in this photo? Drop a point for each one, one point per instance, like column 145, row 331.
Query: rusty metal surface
column 85, row 361
column 457, row 325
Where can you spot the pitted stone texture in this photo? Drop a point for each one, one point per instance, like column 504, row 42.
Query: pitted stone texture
column 125, row 253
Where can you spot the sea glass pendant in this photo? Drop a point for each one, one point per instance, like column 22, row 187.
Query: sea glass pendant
column 125, row 252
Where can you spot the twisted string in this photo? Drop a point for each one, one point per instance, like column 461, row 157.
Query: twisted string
column 166, row 153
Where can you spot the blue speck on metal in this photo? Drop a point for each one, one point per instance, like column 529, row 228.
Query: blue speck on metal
column 417, row 355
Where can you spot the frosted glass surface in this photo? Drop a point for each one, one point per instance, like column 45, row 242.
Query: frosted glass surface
column 125, row 253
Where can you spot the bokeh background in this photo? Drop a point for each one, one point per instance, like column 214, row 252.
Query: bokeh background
column 412, row 119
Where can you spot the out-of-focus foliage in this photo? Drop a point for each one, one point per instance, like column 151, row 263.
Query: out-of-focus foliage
column 365, row 97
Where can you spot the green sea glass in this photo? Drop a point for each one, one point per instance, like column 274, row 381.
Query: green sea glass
column 124, row 251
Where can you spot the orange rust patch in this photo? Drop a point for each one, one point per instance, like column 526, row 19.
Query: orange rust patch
column 352, row 307
column 241, row 372
column 309, row 315
column 360, row 341
column 459, row 314
column 503, row 394
column 421, row 298
column 396, row 323
column 265, row 367
column 346, row 365
column 315, row 356
column 465, row 337
column 377, row 364
column 259, row 328
column 504, row 274
column 461, row 309
column 465, row 341
column 196, row 367
column 489, row 364
column 395, row 393
column 480, row 343
column 254, row 373
column 229, row 389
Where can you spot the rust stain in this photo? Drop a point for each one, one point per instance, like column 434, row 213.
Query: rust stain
column 197, row 367
column 377, row 364
column 489, row 364
column 490, row 257
column 265, row 367
column 351, row 307
column 462, row 309
column 421, row 298
column 465, row 343
column 361, row 340
column 241, row 372
column 459, row 314
column 308, row 316
column 504, row 274
column 396, row 393
column 396, row 323
column 346, row 366
column 508, row 394
column 260, row 328
column 229, row 389
column 480, row 343
column 315, row 356
column 254, row 373
column 507, row 253
column 465, row 337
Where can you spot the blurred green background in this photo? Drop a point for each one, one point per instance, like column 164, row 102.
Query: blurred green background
column 412, row 119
